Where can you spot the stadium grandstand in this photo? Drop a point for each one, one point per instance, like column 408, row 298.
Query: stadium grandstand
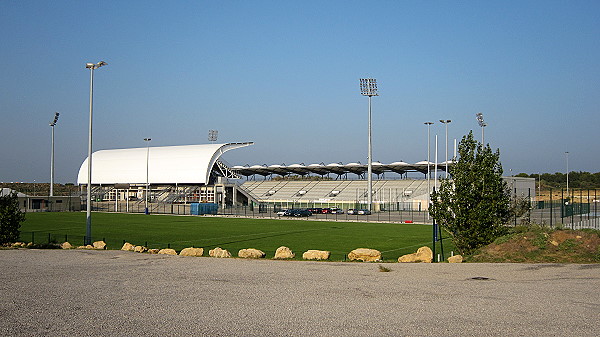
column 122, row 180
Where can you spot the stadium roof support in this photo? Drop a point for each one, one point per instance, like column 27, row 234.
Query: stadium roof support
column 185, row 164
column 335, row 168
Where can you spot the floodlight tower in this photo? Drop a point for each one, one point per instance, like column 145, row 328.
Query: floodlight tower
column 368, row 87
column 446, row 122
column 52, row 124
column 428, row 157
column 482, row 124
column 88, row 228
column 147, row 140
column 212, row 135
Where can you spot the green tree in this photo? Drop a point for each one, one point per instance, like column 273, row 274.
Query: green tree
column 10, row 218
column 474, row 204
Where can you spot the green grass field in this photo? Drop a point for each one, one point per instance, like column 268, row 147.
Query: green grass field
column 233, row 234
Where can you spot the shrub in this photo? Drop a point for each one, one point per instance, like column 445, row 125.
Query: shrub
column 10, row 218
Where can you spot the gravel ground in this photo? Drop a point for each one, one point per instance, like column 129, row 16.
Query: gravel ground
column 101, row 293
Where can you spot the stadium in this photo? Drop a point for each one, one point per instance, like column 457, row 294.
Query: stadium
column 168, row 179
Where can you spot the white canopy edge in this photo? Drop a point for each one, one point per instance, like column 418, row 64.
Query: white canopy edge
column 183, row 164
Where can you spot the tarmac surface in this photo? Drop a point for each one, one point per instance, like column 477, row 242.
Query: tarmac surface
column 102, row 293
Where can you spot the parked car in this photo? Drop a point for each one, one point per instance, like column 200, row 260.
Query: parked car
column 301, row 213
column 336, row 210
column 364, row 212
column 295, row 212
column 326, row 210
column 352, row 211
column 315, row 210
column 282, row 212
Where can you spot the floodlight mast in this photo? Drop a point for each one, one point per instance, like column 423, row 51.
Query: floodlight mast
column 368, row 87
column 88, row 229
column 428, row 170
column 446, row 121
column 52, row 124
column 212, row 135
column 147, row 140
column 482, row 124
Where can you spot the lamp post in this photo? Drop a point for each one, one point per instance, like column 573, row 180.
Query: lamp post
column 52, row 124
column 368, row 87
column 446, row 122
column 567, row 155
column 88, row 228
column 428, row 157
column 482, row 124
column 147, row 140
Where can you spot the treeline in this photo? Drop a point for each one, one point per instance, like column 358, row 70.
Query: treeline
column 42, row 189
column 559, row 180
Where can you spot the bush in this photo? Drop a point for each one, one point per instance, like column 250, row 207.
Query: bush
column 10, row 218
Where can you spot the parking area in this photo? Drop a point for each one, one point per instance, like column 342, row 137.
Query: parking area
column 78, row 292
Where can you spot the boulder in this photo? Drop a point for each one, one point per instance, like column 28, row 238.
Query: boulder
column 140, row 249
column 128, row 246
column 191, row 251
column 86, row 247
column 408, row 258
column 313, row 254
column 284, row 252
column 65, row 245
column 218, row 252
column 167, row 251
column 455, row 259
column 19, row 244
column 251, row 253
column 423, row 254
column 99, row 245
column 365, row 255
column 153, row 251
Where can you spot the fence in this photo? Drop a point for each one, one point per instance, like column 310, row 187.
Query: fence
column 576, row 209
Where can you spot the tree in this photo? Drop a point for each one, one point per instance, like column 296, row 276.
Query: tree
column 474, row 204
column 10, row 218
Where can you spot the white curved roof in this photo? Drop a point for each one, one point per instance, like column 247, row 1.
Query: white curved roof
column 184, row 164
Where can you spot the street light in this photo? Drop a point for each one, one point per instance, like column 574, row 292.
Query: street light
column 428, row 156
column 368, row 87
column 482, row 124
column 88, row 228
column 52, row 124
column 147, row 140
column 446, row 122
column 567, row 154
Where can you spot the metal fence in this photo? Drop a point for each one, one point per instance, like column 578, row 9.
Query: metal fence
column 576, row 209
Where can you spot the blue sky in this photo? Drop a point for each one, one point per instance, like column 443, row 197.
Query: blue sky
column 284, row 74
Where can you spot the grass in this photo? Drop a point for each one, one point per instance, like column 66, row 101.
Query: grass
column 233, row 234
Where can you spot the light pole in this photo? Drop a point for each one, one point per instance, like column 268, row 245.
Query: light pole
column 368, row 87
column 428, row 157
column 482, row 124
column 147, row 140
column 212, row 135
column 88, row 228
column 567, row 155
column 446, row 122
column 52, row 124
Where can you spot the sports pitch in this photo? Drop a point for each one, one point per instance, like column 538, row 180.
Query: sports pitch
column 233, row 234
